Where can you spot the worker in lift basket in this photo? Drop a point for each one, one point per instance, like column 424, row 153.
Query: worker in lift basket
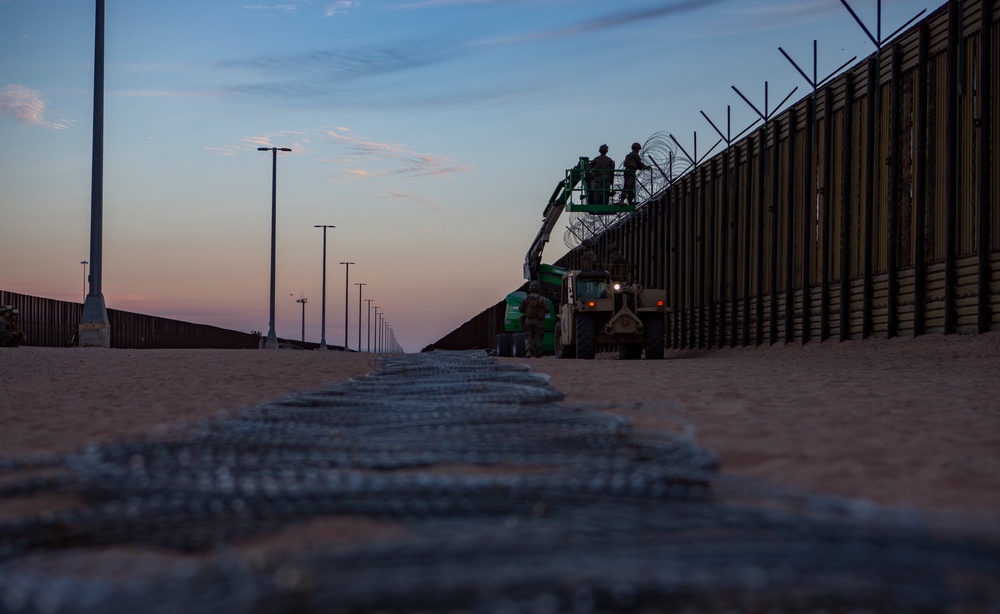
column 534, row 307
column 633, row 162
column 602, row 173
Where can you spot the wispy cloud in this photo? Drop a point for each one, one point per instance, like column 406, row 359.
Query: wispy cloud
column 302, row 72
column 367, row 158
column 329, row 9
column 607, row 22
column 27, row 106
column 784, row 13
column 341, row 7
column 408, row 197
column 272, row 8
column 327, row 73
column 355, row 156
column 419, row 4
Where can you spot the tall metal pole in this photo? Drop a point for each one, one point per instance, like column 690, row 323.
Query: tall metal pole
column 94, row 329
column 322, row 340
column 347, row 289
column 376, row 328
column 303, row 300
column 272, row 338
column 360, row 288
column 369, row 301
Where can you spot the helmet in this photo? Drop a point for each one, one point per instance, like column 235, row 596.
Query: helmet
column 535, row 287
column 636, row 147
column 603, row 149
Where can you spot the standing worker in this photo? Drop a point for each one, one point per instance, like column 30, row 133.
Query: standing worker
column 11, row 335
column 632, row 164
column 619, row 267
column 602, row 171
column 588, row 257
column 534, row 307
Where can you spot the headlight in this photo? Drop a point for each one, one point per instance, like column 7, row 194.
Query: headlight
column 617, row 287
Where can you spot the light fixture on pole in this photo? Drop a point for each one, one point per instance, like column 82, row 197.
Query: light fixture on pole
column 303, row 300
column 322, row 336
column 369, row 301
column 360, row 288
column 84, row 263
column 272, row 338
column 347, row 289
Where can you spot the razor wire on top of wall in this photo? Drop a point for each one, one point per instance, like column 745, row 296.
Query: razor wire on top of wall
column 508, row 500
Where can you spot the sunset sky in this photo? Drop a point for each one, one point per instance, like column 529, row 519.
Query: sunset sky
column 429, row 132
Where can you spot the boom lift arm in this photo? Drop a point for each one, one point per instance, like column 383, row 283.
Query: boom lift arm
column 554, row 208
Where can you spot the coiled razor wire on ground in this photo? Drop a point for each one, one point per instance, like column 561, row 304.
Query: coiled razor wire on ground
column 512, row 501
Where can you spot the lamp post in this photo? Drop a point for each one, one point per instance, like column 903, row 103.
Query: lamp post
column 347, row 288
column 360, row 288
column 95, row 328
column 84, row 263
column 322, row 336
column 272, row 339
column 369, row 301
column 303, row 300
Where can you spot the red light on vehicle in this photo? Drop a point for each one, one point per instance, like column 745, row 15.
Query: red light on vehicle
column 659, row 303
column 591, row 304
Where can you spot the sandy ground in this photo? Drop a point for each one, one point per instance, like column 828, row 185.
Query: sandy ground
column 904, row 422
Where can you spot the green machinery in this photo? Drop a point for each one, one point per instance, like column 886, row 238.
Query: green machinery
column 626, row 314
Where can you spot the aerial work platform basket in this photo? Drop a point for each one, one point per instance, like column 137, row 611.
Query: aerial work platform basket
column 587, row 192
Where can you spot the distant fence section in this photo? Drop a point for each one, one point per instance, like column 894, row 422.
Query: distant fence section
column 868, row 208
column 51, row 323
column 479, row 332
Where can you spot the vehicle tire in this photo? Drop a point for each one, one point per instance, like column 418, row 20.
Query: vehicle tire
column 503, row 348
column 630, row 351
column 562, row 351
column 517, row 345
column 655, row 336
column 586, row 339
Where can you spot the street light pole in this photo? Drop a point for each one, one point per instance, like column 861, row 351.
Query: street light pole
column 347, row 289
column 95, row 328
column 360, row 288
column 369, row 301
column 272, row 338
column 84, row 263
column 303, row 300
column 322, row 340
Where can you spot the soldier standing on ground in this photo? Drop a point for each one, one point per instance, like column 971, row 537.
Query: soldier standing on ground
column 602, row 171
column 588, row 257
column 534, row 307
column 11, row 335
column 632, row 164
column 620, row 266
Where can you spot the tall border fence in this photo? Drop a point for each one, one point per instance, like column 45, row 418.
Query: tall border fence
column 868, row 208
column 51, row 323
